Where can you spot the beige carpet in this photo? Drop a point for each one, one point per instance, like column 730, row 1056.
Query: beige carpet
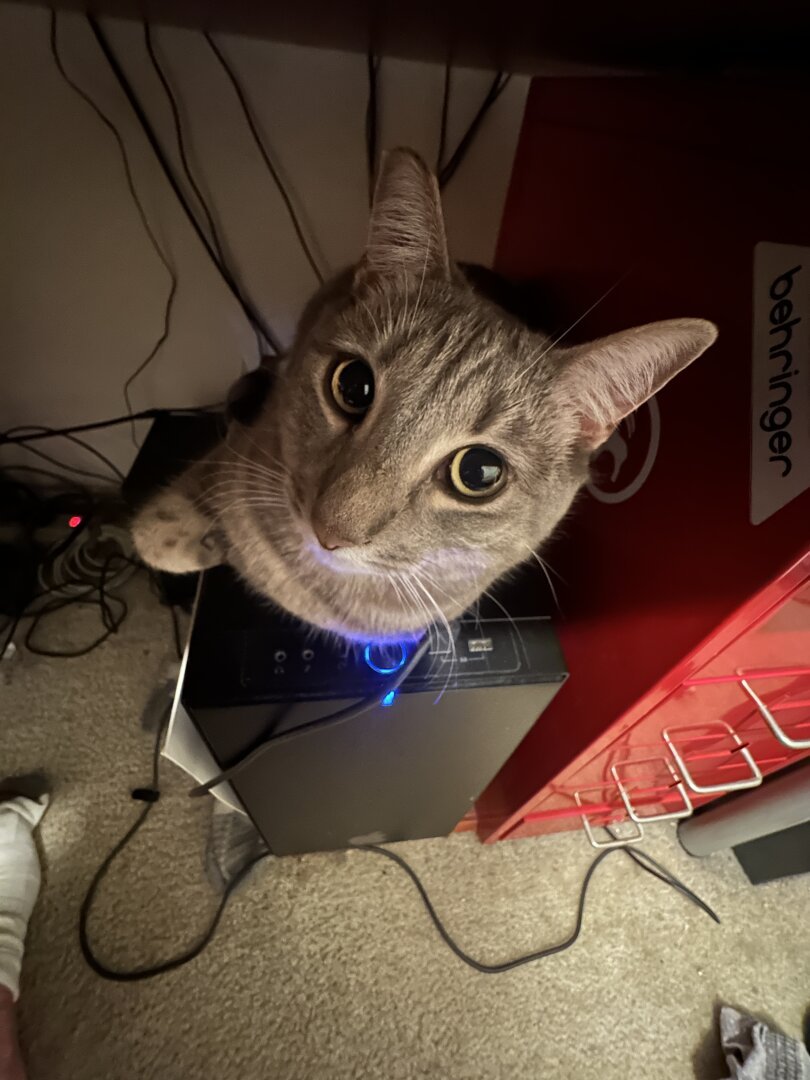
column 325, row 966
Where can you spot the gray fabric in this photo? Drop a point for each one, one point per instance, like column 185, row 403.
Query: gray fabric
column 755, row 1051
column 232, row 843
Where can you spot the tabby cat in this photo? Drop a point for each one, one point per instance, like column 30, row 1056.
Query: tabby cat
column 415, row 444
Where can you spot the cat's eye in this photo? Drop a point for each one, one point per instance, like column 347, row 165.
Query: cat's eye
column 476, row 471
column 352, row 385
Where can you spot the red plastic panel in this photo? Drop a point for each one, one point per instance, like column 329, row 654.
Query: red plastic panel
column 665, row 188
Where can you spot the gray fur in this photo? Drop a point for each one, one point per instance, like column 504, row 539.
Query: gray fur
column 451, row 370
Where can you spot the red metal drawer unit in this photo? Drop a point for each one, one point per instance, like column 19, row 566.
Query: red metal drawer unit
column 685, row 567
column 716, row 733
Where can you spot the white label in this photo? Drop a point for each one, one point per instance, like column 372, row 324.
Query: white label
column 780, row 378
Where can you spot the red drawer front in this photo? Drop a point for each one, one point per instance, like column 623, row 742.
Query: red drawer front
column 712, row 724
column 779, row 641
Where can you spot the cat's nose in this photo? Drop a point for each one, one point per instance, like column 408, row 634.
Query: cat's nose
column 330, row 539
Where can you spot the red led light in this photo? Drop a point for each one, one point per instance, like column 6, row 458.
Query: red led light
column 75, row 521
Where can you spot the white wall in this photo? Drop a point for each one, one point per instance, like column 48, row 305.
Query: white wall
column 82, row 292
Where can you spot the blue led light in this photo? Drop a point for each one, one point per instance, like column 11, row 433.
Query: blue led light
column 389, row 698
column 376, row 664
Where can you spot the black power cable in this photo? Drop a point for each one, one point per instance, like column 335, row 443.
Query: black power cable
column 150, row 796
column 181, row 142
column 53, row 476
column 445, row 171
column 265, row 155
column 96, row 425
column 372, row 120
column 63, row 465
column 497, row 87
column 252, row 314
column 47, row 431
column 185, row 163
column 342, row 716
column 158, row 249
column 638, row 857
column 448, row 72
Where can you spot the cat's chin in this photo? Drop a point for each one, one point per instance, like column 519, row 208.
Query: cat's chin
column 361, row 622
column 357, row 611
column 354, row 595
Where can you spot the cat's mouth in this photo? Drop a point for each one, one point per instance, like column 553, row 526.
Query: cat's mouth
column 348, row 560
column 362, row 591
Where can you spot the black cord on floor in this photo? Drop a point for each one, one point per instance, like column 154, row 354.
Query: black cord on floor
column 95, row 595
column 265, row 156
column 550, row 950
column 47, row 609
column 149, row 796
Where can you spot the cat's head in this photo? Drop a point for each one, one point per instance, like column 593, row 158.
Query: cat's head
column 418, row 442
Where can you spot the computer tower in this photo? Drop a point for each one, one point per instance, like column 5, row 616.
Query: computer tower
column 408, row 767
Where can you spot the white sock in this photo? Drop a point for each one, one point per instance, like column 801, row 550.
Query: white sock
column 19, row 882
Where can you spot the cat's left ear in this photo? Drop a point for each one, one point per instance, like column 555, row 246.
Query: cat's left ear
column 406, row 230
column 610, row 378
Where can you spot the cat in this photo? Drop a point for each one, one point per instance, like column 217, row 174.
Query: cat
column 415, row 444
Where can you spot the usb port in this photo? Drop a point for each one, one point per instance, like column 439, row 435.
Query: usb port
column 482, row 644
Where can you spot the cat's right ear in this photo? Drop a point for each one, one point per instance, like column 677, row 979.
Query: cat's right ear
column 605, row 381
column 406, row 230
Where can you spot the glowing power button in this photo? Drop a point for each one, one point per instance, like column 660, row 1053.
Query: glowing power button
column 385, row 659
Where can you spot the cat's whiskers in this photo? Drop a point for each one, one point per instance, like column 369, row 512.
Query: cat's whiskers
column 411, row 613
column 279, row 466
column 238, row 477
column 404, row 311
column 241, row 459
column 241, row 491
column 421, row 613
column 236, row 467
column 395, row 587
column 233, row 492
column 277, row 462
column 451, row 641
column 494, row 599
column 241, row 503
column 390, row 323
column 370, row 314
column 232, row 488
column 453, row 599
column 419, row 610
column 545, row 568
column 521, row 375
